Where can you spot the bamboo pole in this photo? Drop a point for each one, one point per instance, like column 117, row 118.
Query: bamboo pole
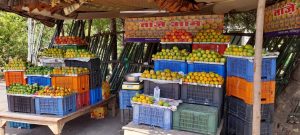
column 257, row 67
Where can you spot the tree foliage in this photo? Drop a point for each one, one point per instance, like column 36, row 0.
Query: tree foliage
column 13, row 37
column 240, row 22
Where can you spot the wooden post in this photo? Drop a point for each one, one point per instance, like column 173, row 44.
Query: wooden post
column 113, row 29
column 257, row 67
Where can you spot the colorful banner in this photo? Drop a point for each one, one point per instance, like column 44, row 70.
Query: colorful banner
column 151, row 29
column 283, row 16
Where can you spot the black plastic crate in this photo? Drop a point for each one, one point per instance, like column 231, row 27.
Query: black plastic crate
column 188, row 47
column 236, row 126
column 240, row 109
column 92, row 65
column 197, row 94
column 167, row 90
column 126, row 115
column 21, row 104
column 95, row 79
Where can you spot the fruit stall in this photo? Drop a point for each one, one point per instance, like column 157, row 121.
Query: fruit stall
column 195, row 81
column 56, row 93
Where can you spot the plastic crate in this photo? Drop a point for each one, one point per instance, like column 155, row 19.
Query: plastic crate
column 55, row 106
column 244, row 111
column 54, row 64
column 75, row 47
column 95, row 95
column 220, row 48
column 41, row 81
column 242, row 89
column 167, row 90
column 21, row 104
column 125, row 97
column 77, row 83
column 204, row 67
column 154, row 116
column 95, row 79
column 126, row 115
column 82, row 100
column 244, row 68
column 187, row 47
column 12, row 124
column 202, row 95
column 174, row 66
column 236, row 126
column 12, row 77
column 92, row 64
column 196, row 118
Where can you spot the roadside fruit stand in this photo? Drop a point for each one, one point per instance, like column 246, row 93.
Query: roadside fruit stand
column 56, row 94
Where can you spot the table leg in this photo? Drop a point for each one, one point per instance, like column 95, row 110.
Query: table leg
column 56, row 128
column 2, row 127
column 114, row 105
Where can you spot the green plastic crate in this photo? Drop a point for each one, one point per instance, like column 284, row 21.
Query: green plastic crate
column 196, row 118
column 75, row 47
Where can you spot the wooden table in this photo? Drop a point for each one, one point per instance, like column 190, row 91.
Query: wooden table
column 133, row 129
column 55, row 123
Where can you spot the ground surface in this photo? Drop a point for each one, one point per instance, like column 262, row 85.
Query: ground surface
column 80, row 126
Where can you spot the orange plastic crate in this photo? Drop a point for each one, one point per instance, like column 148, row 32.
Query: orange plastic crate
column 12, row 77
column 243, row 89
column 77, row 83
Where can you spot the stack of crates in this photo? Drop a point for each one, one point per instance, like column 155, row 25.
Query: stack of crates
column 239, row 92
column 128, row 91
column 95, row 81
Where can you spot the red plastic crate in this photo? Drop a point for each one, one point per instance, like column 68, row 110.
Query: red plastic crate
column 12, row 77
column 82, row 100
column 216, row 47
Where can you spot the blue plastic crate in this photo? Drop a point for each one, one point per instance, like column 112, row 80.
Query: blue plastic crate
column 42, row 81
column 125, row 97
column 12, row 124
column 55, row 106
column 95, row 95
column 154, row 116
column 174, row 66
column 244, row 68
column 204, row 67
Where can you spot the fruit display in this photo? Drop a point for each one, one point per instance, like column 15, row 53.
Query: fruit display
column 205, row 56
column 23, row 89
column 69, row 70
column 39, row 70
column 66, row 40
column 177, row 36
column 82, row 53
column 15, row 64
column 141, row 98
column 246, row 50
column 54, row 91
column 204, row 78
column 161, row 75
column 53, row 52
column 211, row 36
column 171, row 54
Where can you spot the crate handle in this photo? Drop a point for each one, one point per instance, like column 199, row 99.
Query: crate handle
column 263, row 99
column 264, row 77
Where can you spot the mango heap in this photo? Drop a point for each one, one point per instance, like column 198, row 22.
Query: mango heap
column 206, row 56
column 82, row 53
column 246, row 50
column 15, row 64
column 172, row 54
column 53, row 52
column 177, row 36
column 23, row 89
column 141, row 98
column 161, row 75
column 204, row 78
column 39, row 70
column 163, row 103
column 54, row 91
column 69, row 70
column 211, row 36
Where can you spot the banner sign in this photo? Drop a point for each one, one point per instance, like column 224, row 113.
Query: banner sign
column 151, row 29
column 282, row 18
